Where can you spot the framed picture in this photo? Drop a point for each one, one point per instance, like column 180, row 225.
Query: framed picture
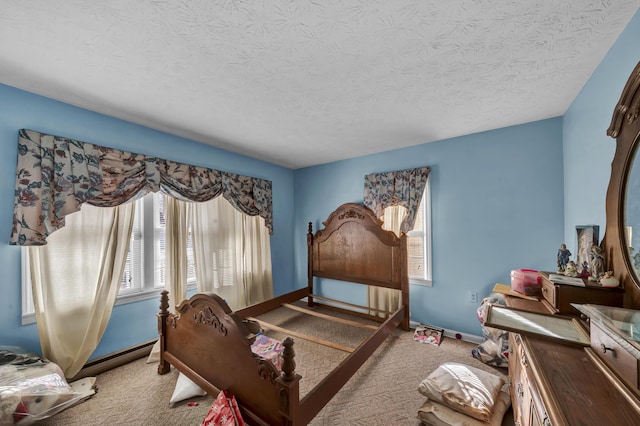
column 587, row 238
column 559, row 328
column 428, row 334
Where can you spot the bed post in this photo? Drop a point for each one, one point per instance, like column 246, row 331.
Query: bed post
column 289, row 384
column 163, row 367
column 310, row 265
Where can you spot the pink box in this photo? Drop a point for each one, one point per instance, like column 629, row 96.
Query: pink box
column 526, row 281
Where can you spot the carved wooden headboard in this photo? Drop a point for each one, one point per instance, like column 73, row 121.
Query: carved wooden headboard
column 354, row 247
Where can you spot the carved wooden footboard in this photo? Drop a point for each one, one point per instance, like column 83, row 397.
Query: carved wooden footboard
column 211, row 345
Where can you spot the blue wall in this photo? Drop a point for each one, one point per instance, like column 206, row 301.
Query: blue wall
column 497, row 204
column 136, row 322
column 588, row 151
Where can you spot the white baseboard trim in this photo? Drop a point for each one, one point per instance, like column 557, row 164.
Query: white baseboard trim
column 113, row 360
column 452, row 334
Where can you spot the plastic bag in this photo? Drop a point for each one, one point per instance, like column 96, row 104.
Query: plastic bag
column 31, row 388
column 494, row 349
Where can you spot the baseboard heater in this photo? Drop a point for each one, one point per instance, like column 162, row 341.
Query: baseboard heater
column 115, row 359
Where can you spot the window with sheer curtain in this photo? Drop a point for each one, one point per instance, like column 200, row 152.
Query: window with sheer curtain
column 144, row 269
column 402, row 200
column 74, row 205
column 419, row 243
column 144, row 273
column 86, row 265
column 418, row 239
column 418, row 247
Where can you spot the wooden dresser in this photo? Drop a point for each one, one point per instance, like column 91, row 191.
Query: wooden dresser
column 558, row 384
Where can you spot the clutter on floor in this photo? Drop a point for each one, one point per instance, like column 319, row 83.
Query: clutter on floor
column 33, row 388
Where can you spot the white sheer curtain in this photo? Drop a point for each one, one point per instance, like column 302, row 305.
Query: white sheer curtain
column 232, row 253
column 387, row 299
column 176, row 215
column 75, row 281
column 256, row 260
column 175, row 256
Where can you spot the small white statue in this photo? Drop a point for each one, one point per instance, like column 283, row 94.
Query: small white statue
column 608, row 280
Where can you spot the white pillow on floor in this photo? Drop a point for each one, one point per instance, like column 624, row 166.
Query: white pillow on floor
column 463, row 388
column 185, row 389
column 436, row 414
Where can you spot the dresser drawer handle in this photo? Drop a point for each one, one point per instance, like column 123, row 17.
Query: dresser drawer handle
column 604, row 349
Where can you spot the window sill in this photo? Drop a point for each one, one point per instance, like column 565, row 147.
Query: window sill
column 422, row 283
column 138, row 296
column 122, row 300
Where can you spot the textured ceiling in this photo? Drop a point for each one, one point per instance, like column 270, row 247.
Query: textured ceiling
column 300, row 83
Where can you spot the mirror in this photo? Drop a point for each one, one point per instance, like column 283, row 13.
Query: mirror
column 632, row 213
column 559, row 328
column 623, row 194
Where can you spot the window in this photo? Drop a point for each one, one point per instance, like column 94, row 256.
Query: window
column 144, row 272
column 419, row 242
column 147, row 251
column 418, row 239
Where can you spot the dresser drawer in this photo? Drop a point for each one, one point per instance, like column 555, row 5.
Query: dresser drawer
column 528, row 408
column 549, row 292
column 621, row 360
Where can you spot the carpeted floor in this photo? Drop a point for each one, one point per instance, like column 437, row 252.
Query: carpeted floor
column 382, row 392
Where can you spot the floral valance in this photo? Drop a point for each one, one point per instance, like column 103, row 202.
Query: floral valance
column 56, row 175
column 403, row 188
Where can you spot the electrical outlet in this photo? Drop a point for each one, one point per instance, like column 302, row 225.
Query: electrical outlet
column 473, row 297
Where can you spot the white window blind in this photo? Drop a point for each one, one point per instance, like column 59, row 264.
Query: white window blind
column 419, row 242
column 144, row 271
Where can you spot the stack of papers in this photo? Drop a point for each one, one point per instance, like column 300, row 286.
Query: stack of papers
column 563, row 279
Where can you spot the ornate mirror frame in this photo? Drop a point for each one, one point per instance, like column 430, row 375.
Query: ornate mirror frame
column 625, row 127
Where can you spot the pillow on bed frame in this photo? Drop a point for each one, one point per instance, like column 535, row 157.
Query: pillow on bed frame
column 463, row 388
column 269, row 349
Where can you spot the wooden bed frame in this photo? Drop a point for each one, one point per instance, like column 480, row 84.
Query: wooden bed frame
column 211, row 345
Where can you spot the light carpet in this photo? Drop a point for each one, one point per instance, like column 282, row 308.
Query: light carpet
column 383, row 392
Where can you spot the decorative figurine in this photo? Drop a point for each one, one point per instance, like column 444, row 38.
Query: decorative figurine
column 572, row 270
column 563, row 257
column 597, row 264
column 608, row 280
column 584, row 270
